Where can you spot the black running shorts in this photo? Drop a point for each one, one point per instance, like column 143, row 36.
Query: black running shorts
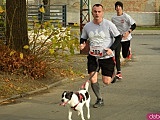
column 106, row 65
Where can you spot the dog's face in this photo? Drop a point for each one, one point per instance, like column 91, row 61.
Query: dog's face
column 66, row 97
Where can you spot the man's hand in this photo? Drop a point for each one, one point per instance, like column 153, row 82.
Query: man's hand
column 82, row 46
column 109, row 51
column 125, row 35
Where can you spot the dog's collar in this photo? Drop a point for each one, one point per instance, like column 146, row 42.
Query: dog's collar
column 80, row 97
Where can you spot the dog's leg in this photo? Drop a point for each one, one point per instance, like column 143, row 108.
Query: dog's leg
column 70, row 114
column 81, row 112
column 88, row 108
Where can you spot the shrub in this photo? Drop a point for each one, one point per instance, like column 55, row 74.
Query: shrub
column 18, row 63
column 48, row 40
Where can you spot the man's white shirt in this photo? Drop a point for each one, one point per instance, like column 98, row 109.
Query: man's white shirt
column 100, row 35
column 123, row 24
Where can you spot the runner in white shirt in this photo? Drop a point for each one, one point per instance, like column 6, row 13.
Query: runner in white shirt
column 125, row 24
column 100, row 33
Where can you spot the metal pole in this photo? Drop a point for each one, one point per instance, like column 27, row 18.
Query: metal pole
column 84, row 13
column 84, row 18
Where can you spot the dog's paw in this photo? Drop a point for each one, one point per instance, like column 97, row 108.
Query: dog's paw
column 88, row 116
column 69, row 118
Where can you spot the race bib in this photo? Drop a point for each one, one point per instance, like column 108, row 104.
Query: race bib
column 96, row 51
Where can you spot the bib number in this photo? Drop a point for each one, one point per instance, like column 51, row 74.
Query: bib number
column 96, row 51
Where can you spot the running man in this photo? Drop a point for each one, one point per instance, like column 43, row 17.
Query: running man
column 125, row 24
column 100, row 33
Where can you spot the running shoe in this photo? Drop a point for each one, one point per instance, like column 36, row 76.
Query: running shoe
column 119, row 75
column 130, row 54
column 99, row 103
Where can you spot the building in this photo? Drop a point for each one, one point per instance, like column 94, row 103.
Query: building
column 145, row 12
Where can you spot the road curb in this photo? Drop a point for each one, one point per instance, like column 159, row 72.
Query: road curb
column 37, row 90
column 146, row 32
column 34, row 91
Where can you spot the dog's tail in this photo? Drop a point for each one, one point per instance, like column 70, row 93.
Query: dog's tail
column 85, row 85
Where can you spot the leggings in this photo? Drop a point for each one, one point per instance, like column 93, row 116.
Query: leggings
column 117, row 57
column 125, row 52
column 125, row 48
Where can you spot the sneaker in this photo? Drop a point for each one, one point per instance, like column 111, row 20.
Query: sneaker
column 130, row 54
column 99, row 103
column 119, row 75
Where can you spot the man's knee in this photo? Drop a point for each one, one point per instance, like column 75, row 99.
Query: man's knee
column 94, row 78
column 107, row 80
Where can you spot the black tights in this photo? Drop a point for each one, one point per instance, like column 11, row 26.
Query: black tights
column 125, row 48
column 125, row 52
column 117, row 57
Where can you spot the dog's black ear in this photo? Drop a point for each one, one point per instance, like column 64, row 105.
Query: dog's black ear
column 69, row 95
column 63, row 94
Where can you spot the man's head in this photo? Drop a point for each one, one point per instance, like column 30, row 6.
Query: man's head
column 119, row 3
column 97, row 12
column 45, row 2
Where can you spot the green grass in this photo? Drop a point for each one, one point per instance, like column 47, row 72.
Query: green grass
column 148, row 28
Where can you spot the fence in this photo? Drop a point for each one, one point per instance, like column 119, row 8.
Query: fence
column 52, row 12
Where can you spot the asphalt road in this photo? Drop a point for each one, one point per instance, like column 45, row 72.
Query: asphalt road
column 131, row 99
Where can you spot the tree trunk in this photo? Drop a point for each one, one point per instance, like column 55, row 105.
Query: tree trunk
column 16, row 25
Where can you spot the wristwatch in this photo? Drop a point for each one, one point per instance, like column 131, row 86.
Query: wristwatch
column 129, row 31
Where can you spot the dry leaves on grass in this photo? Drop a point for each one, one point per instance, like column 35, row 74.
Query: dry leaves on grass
column 12, row 84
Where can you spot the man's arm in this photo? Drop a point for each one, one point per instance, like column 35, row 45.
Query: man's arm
column 116, row 42
column 125, row 35
column 132, row 28
column 82, row 43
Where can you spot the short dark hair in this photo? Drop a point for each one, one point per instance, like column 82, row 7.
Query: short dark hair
column 119, row 3
column 97, row 5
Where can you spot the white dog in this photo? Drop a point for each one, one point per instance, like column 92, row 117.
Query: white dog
column 75, row 101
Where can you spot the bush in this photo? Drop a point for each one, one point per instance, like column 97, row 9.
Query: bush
column 18, row 63
column 46, row 42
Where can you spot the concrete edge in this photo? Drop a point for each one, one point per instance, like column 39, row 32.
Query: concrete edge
column 145, row 33
column 37, row 90
column 34, row 91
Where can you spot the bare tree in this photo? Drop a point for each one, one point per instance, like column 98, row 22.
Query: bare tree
column 16, row 24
